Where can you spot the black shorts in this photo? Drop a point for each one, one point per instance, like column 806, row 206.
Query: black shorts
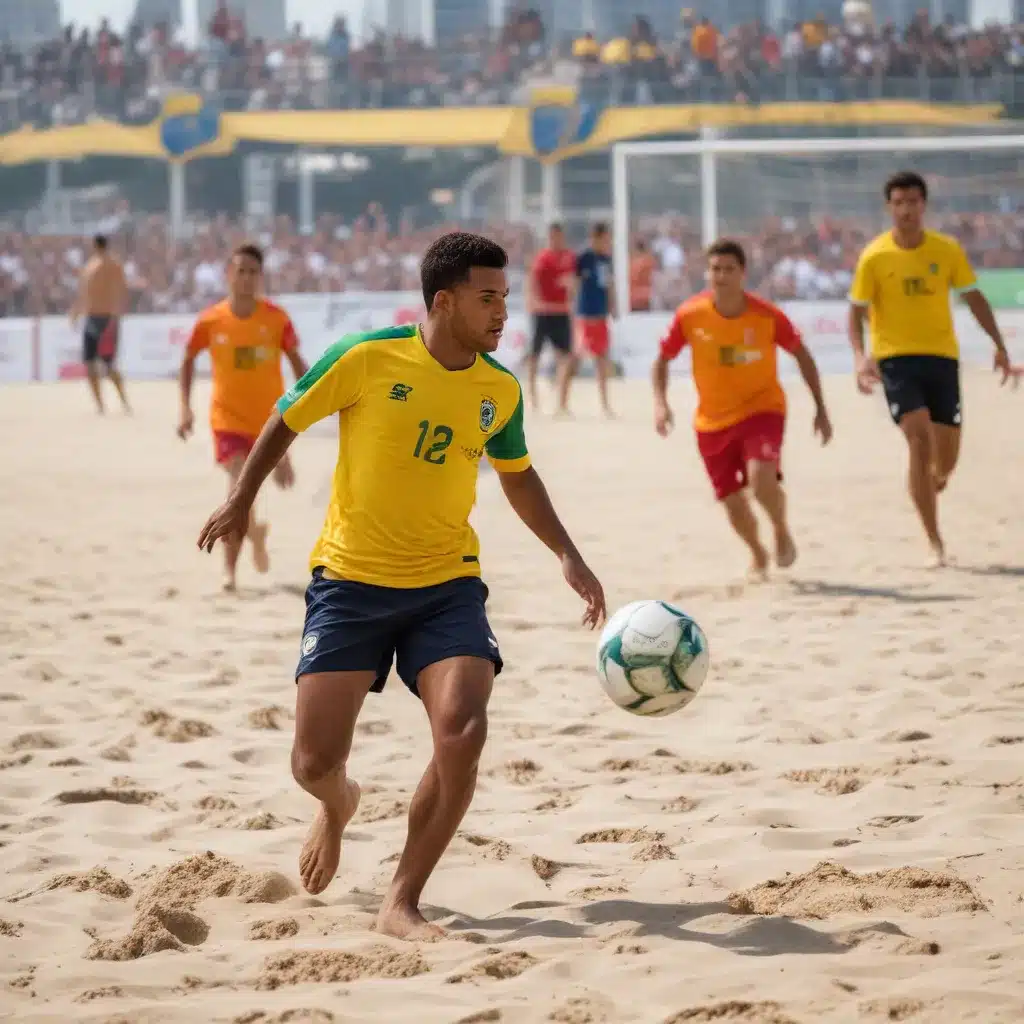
column 922, row 382
column 555, row 328
column 359, row 627
column 99, row 339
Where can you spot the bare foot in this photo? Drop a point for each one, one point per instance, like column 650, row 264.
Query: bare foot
column 608, row 414
column 260, row 555
column 785, row 550
column 563, row 414
column 321, row 853
column 401, row 920
column 758, row 571
column 228, row 584
column 937, row 558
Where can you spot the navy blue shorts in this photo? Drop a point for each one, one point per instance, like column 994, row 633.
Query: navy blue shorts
column 359, row 627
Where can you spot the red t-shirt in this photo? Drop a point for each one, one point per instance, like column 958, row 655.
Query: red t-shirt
column 552, row 266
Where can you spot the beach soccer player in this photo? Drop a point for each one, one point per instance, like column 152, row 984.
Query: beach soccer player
column 740, row 420
column 901, row 287
column 102, row 299
column 396, row 573
column 246, row 336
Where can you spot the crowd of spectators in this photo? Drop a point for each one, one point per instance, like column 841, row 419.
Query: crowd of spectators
column 99, row 71
column 788, row 259
column 858, row 58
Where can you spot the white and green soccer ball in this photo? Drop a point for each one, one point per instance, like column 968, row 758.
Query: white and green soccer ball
column 652, row 658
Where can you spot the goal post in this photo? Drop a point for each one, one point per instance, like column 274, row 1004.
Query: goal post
column 714, row 186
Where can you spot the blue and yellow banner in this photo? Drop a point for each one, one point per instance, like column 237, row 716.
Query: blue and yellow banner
column 557, row 124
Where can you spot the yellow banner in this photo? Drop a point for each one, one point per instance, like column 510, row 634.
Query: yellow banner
column 556, row 125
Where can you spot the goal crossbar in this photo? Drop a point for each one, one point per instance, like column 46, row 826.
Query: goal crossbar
column 709, row 147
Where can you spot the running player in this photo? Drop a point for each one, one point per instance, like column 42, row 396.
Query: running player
column 103, row 298
column 741, row 407
column 245, row 336
column 596, row 302
column 903, row 278
column 396, row 570
column 549, row 299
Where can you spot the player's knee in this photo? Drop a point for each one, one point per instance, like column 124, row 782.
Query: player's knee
column 764, row 479
column 311, row 763
column 460, row 731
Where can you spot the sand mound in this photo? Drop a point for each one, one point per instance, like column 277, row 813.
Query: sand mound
column 96, row 880
column 735, row 1011
column 175, row 730
column 285, row 928
column 332, row 966
column 164, row 915
column 300, row 1016
column 830, row 889
column 621, row 835
column 500, row 966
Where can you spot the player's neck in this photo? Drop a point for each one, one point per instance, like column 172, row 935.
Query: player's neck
column 730, row 306
column 444, row 348
column 242, row 308
column 908, row 239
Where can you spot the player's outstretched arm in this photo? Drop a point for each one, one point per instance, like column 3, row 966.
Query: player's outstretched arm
column 812, row 378
column 982, row 312
column 529, row 498
column 232, row 518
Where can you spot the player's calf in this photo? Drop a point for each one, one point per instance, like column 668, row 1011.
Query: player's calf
column 921, row 474
column 767, row 488
column 743, row 521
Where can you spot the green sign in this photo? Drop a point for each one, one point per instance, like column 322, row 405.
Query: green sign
column 1003, row 288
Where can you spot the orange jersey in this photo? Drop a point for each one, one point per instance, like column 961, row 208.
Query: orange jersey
column 245, row 359
column 734, row 362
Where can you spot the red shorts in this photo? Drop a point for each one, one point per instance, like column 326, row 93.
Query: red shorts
column 727, row 452
column 593, row 337
column 228, row 446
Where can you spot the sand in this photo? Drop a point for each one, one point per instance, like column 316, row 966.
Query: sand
column 833, row 831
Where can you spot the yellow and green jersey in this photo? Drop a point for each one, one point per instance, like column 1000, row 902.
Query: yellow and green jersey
column 410, row 438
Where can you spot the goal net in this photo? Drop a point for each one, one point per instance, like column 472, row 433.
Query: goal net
column 803, row 208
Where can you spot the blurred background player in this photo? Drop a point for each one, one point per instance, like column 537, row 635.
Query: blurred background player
column 549, row 294
column 741, row 405
column 246, row 335
column 903, row 281
column 595, row 303
column 102, row 298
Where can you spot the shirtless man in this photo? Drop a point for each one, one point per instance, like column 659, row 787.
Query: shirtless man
column 102, row 298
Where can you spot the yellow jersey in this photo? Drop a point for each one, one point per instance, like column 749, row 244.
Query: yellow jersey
column 907, row 293
column 411, row 437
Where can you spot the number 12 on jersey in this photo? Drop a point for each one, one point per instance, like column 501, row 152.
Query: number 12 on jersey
column 435, row 454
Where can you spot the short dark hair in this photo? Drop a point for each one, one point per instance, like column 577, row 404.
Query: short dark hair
column 728, row 247
column 100, row 241
column 905, row 179
column 600, row 228
column 250, row 250
column 450, row 259
column 555, row 226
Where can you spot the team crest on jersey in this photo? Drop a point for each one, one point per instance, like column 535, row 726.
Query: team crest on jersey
column 934, row 268
column 488, row 414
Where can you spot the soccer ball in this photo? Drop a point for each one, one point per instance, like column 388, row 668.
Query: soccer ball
column 652, row 659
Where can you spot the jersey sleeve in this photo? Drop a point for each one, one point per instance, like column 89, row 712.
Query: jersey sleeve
column 199, row 339
column 963, row 278
column 334, row 382
column 862, row 290
column 787, row 337
column 289, row 339
column 674, row 339
column 506, row 449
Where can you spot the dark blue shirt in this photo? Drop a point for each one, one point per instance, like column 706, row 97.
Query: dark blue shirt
column 594, row 271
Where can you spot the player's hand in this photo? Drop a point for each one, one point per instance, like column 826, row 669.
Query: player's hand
column 185, row 424
column 663, row 420
column 823, row 426
column 284, row 473
column 230, row 520
column 867, row 375
column 578, row 575
column 1001, row 364
column 1016, row 375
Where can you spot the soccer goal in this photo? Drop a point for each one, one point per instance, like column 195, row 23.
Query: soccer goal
column 804, row 207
